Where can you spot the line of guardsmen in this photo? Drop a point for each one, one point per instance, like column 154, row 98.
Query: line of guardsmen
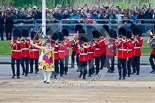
column 100, row 49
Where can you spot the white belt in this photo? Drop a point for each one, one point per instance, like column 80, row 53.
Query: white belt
column 16, row 50
column 136, row 47
column 123, row 49
column 34, row 50
column 55, row 52
column 25, row 48
column 129, row 49
column 90, row 52
column 61, row 51
column 97, row 49
column 83, row 53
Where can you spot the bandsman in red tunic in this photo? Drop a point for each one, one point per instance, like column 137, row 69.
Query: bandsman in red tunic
column 122, row 56
column 75, row 45
column 110, row 50
column 62, row 53
column 68, row 44
column 151, row 42
column 91, row 58
column 97, row 51
column 83, row 57
column 138, row 42
column 104, row 33
column 130, row 52
column 34, row 54
column 16, row 52
column 25, row 51
column 55, row 44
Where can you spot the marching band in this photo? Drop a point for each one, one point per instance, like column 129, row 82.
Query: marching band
column 95, row 53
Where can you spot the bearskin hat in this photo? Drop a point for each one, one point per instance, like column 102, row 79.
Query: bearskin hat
column 61, row 36
column 96, row 34
column 112, row 33
column 55, row 36
column 137, row 31
column 65, row 32
column 25, row 33
column 84, row 39
column 106, row 27
column 122, row 31
column 33, row 34
column 49, row 31
column 78, row 27
column 17, row 33
column 128, row 34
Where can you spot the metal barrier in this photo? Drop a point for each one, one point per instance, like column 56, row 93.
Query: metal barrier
column 88, row 25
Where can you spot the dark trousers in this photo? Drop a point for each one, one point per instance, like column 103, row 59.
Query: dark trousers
column 36, row 65
column 26, row 60
column 13, row 66
column 107, row 64
column 66, row 63
column 152, row 61
column 61, row 66
column 73, row 58
column 129, row 62
column 1, row 33
column 56, row 63
column 77, row 59
column 103, row 57
column 122, row 65
column 97, row 63
column 91, row 67
column 136, row 64
column 83, row 68
column 8, row 33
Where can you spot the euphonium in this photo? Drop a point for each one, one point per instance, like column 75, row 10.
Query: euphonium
column 85, row 45
column 56, row 43
column 124, row 39
column 18, row 40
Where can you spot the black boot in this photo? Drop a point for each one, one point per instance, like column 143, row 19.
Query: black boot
column 80, row 74
column 84, row 74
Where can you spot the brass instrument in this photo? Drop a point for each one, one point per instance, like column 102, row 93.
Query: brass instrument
column 85, row 45
column 56, row 43
column 124, row 38
column 18, row 40
column 151, row 39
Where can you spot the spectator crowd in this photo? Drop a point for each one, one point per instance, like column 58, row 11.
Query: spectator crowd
column 7, row 15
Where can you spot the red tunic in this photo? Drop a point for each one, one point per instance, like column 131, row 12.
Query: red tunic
column 91, row 52
column 62, row 50
column 153, row 50
column 16, row 49
column 25, row 48
column 68, row 46
column 34, row 52
column 137, row 46
column 103, row 46
column 97, row 51
column 122, row 50
column 108, row 50
column 130, row 49
column 83, row 56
